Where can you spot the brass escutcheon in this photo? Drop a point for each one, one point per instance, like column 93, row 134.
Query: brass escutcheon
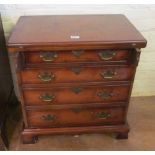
column 76, row 110
column 76, row 90
column 76, row 70
column 77, row 53
column 49, row 117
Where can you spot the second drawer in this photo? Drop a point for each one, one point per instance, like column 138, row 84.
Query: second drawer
column 75, row 95
column 77, row 74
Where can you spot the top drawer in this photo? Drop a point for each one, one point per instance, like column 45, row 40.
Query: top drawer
column 45, row 57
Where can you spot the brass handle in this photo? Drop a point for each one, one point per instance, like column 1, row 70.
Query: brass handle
column 46, row 77
column 108, row 74
column 47, row 98
column 104, row 95
column 49, row 117
column 103, row 115
column 107, row 55
column 48, row 56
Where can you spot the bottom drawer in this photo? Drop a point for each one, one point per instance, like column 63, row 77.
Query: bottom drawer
column 75, row 117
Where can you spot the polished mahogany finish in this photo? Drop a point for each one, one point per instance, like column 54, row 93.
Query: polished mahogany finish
column 74, row 73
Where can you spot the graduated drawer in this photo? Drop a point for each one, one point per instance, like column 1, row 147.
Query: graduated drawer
column 76, row 74
column 76, row 95
column 75, row 117
column 76, row 56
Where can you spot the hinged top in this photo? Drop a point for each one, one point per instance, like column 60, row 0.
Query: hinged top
column 58, row 30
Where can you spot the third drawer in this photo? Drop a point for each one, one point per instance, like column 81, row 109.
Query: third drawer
column 76, row 94
column 77, row 74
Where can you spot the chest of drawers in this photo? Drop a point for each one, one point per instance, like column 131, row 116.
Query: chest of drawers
column 73, row 74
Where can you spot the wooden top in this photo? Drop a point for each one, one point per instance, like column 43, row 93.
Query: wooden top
column 58, row 30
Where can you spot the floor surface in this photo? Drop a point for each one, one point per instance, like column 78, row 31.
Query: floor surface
column 141, row 118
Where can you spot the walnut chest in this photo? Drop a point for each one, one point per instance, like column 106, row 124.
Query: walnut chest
column 73, row 74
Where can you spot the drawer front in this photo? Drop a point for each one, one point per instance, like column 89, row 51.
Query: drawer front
column 74, row 117
column 76, row 95
column 76, row 74
column 76, row 56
